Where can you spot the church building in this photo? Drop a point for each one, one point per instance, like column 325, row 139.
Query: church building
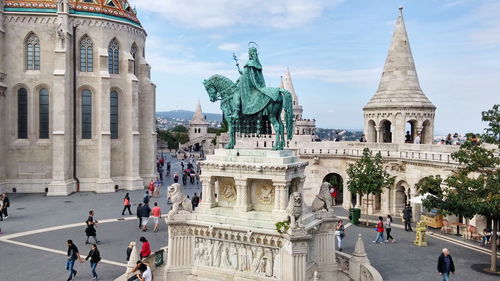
column 77, row 104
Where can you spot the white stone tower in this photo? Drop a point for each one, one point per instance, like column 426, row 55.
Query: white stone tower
column 399, row 102
column 302, row 126
column 198, row 127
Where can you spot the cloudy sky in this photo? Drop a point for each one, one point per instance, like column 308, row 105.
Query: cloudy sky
column 335, row 51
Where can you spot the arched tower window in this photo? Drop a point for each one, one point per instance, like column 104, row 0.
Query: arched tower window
column 86, row 54
column 43, row 100
column 86, row 114
column 22, row 113
column 133, row 52
column 32, row 52
column 114, row 57
column 113, row 114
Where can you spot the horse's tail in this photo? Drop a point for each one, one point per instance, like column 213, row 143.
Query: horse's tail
column 287, row 105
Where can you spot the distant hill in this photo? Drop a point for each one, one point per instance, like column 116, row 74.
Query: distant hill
column 186, row 114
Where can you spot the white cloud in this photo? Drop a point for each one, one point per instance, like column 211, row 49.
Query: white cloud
column 230, row 47
column 224, row 13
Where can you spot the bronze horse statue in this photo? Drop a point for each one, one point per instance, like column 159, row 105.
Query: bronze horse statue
column 222, row 88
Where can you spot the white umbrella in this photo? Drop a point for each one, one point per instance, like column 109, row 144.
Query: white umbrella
column 418, row 199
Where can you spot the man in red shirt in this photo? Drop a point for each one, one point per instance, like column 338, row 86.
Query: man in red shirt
column 156, row 214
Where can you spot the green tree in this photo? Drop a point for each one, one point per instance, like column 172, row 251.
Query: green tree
column 368, row 176
column 179, row 129
column 474, row 187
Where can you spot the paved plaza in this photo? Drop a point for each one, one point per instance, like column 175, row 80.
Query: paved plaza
column 35, row 237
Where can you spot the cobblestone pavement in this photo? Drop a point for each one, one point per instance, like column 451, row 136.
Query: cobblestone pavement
column 403, row 261
column 41, row 255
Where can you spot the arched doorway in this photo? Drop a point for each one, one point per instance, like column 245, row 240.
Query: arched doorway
column 338, row 183
column 401, row 197
column 371, row 132
column 410, row 131
column 386, row 131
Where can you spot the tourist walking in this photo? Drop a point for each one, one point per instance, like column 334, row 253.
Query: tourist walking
column 407, row 215
column 1, row 207
column 139, row 214
column 90, row 229
column 387, row 226
column 156, row 192
column 156, row 214
column 145, row 248
column 339, row 233
column 126, row 204
column 95, row 258
column 445, row 265
column 195, row 201
column 145, row 213
column 380, row 231
column 176, row 178
column 146, row 197
column 73, row 255
column 6, row 205
column 168, row 169
column 151, row 188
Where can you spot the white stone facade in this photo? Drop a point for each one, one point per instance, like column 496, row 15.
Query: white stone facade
column 35, row 164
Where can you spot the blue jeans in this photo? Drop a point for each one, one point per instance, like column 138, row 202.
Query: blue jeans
column 92, row 269
column 69, row 267
column 380, row 236
column 446, row 276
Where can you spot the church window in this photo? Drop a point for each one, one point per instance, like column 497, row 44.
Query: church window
column 133, row 52
column 86, row 114
column 43, row 100
column 22, row 113
column 114, row 57
column 113, row 114
column 110, row 3
column 32, row 52
column 86, row 55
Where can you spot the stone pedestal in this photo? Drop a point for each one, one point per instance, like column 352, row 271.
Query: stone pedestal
column 232, row 234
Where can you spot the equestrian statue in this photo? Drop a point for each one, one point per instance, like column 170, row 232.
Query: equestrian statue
column 248, row 106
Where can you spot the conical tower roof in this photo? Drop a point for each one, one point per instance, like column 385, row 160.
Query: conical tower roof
column 286, row 83
column 399, row 86
column 198, row 115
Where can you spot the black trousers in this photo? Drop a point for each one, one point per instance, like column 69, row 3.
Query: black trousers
column 140, row 222
column 388, row 230
column 408, row 225
column 5, row 213
column 126, row 208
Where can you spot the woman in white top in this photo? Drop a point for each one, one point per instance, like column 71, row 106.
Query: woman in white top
column 387, row 226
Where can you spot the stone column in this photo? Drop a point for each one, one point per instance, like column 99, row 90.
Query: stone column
column 180, row 251
column 325, row 249
column 295, row 258
column 379, row 135
column 61, row 102
column 242, row 195
column 208, row 191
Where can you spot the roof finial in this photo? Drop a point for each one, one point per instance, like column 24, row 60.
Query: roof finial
column 401, row 9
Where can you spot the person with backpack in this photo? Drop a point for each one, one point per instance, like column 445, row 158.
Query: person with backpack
column 176, row 178
column 339, row 233
column 126, row 204
column 95, row 258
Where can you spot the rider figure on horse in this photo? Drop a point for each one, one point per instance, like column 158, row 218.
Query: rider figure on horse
column 251, row 84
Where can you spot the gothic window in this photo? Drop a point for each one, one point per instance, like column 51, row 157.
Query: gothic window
column 114, row 57
column 43, row 100
column 133, row 52
column 32, row 52
column 110, row 3
column 22, row 113
column 86, row 55
column 113, row 114
column 86, row 114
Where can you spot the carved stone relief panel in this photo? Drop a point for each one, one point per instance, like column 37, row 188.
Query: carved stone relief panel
column 227, row 189
column 247, row 258
column 263, row 193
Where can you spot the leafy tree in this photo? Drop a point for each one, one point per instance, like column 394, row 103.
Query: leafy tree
column 474, row 187
column 179, row 129
column 368, row 176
